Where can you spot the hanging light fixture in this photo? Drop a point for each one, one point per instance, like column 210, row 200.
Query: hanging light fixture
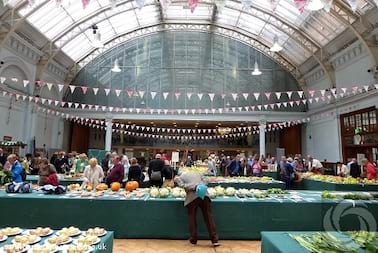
column 256, row 70
column 96, row 41
column 315, row 5
column 276, row 46
column 116, row 67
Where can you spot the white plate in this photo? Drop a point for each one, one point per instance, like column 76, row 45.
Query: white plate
column 26, row 248
column 17, row 233
column 5, row 237
column 36, row 240
column 100, row 235
column 78, row 233
column 27, row 232
column 64, row 249
column 96, row 242
column 57, row 249
column 66, row 242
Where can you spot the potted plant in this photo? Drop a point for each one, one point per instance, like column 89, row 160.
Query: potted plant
column 358, row 136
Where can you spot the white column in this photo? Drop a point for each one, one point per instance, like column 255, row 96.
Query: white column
column 29, row 126
column 108, row 135
column 262, row 126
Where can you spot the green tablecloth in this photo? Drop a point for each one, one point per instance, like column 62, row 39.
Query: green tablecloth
column 235, row 218
column 271, row 174
column 105, row 246
column 250, row 185
column 317, row 185
column 281, row 242
column 62, row 180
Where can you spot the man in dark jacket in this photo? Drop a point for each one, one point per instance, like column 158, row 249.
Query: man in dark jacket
column 155, row 171
column 234, row 168
column 61, row 162
column 3, row 157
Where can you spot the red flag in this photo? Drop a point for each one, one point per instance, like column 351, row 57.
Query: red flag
column 192, row 5
column 300, row 4
column 85, row 3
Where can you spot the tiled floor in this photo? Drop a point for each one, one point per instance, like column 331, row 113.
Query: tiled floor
column 180, row 246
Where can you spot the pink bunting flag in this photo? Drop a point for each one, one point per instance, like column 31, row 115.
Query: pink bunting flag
column 267, row 94
column 60, row 87
column 311, row 92
column 211, row 96
column 300, row 4
column 85, row 3
column 130, row 93
column 26, row 82
column 165, row 95
column 107, row 91
column 177, row 95
column 84, row 89
column 192, row 5
column 118, row 92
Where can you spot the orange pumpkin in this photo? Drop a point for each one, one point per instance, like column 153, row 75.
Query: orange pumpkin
column 131, row 186
column 115, row 186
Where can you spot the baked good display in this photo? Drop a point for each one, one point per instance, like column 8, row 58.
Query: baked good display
column 87, row 239
column 79, row 248
column 27, row 239
column 45, row 248
column 40, row 231
column 14, row 248
column 59, row 239
column 9, row 231
column 96, row 231
column 71, row 231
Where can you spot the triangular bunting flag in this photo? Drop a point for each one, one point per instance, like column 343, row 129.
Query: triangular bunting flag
column 317, row 99
column 344, row 90
column 211, row 96
column 177, row 95
column 76, row 105
column 300, row 94
column 141, row 93
column 26, row 82
column 300, row 4
column 2, row 79
column 311, row 92
column 366, row 88
column 322, row 92
column 245, row 95
column 376, row 85
column 267, row 95
column 200, row 96
column 60, row 87
column 234, row 96
column 284, row 104
column 223, row 95
column 165, row 95
column 84, row 89
column 256, row 95
column 265, row 107
column 278, row 95
column 95, row 90
column 107, row 91
column 189, row 94
column 130, row 93
column 72, row 88
column 289, row 94
column 192, row 5
column 153, row 94
column 118, row 92
column 291, row 103
column 259, row 107
column 271, row 106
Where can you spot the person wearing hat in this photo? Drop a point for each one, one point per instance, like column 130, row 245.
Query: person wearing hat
column 197, row 196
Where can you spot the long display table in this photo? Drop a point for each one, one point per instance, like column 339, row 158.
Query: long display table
column 62, row 180
column 235, row 218
column 104, row 246
column 250, row 185
column 281, row 242
column 318, row 185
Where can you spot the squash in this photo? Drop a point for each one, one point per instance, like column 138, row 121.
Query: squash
column 131, row 186
column 101, row 187
column 89, row 188
column 115, row 186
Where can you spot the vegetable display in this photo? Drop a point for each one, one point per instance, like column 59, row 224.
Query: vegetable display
column 339, row 180
column 341, row 195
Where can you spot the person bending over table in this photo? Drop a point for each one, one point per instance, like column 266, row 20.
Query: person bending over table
column 135, row 172
column 155, row 171
column 93, row 173
column 117, row 172
column 189, row 181
column 15, row 168
column 47, row 173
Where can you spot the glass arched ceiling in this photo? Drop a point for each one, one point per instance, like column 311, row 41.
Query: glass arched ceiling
column 68, row 25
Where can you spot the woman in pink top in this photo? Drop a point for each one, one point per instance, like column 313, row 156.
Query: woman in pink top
column 371, row 171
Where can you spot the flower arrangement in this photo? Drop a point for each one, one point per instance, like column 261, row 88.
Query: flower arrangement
column 358, row 130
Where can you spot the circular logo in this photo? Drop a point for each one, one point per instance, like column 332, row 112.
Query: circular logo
column 331, row 220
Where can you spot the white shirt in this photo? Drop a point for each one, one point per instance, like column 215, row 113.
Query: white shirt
column 343, row 169
column 315, row 163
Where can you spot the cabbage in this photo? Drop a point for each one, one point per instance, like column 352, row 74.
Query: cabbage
column 183, row 194
column 163, row 192
column 230, row 191
column 176, row 192
column 212, row 192
column 219, row 190
column 154, row 192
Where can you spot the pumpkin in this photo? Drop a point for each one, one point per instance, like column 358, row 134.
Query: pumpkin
column 89, row 188
column 101, row 187
column 131, row 186
column 115, row 186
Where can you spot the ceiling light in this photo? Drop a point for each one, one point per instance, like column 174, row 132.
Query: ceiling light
column 276, row 46
column 96, row 41
column 256, row 71
column 315, row 5
column 116, row 67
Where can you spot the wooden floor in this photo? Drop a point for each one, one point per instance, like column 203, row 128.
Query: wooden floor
column 178, row 246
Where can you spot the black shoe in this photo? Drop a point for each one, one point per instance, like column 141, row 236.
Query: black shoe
column 194, row 242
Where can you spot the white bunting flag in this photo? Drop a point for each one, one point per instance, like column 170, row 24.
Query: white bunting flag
column 220, row 110
column 165, row 111
column 310, row 100
column 60, row 87
column 284, row 104
column 137, row 110
column 304, row 101
column 289, row 94
column 186, row 111
column 82, row 106
column 14, row 79
column 69, row 104
column 96, row 107
column 43, row 100
column 259, row 107
column 189, row 95
column 256, row 95
column 291, row 103
column 95, row 90
column 107, row 91
column 153, row 94
column 23, row 97
column 72, row 88
column 279, row 105
column 118, row 92
column 245, row 95
column 376, row 85
column 26, row 82
column 178, row 111
column 141, row 93
column 317, row 99
column 278, row 95
column 344, row 90
column 200, row 96
column 165, row 95
column 211, row 96
column 76, row 105
column 366, row 88
column 223, row 95
column 234, row 96
column 329, row 97
column 2, row 79
column 300, row 94
column 206, row 111
column 246, row 108
column 265, row 107
column 271, row 106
